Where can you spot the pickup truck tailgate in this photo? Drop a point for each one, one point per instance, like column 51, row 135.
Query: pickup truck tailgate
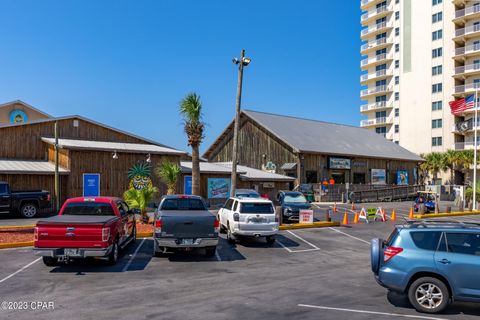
column 188, row 224
column 71, row 232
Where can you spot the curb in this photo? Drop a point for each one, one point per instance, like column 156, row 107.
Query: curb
column 144, row 234
column 321, row 224
column 16, row 244
column 445, row 214
column 17, row 227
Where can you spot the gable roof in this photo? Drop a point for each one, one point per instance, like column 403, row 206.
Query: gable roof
column 313, row 136
column 8, row 104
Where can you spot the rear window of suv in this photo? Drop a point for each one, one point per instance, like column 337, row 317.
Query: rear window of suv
column 426, row 240
column 183, row 204
column 88, row 209
column 252, row 207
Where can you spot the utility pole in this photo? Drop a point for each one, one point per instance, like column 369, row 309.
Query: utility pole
column 57, row 177
column 243, row 61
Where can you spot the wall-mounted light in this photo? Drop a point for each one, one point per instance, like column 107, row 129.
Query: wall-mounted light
column 148, row 158
column 115, row 155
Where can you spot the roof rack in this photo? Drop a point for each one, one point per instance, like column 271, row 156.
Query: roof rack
column 440, row 224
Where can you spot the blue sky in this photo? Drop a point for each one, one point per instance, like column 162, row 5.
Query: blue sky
column 129, row 63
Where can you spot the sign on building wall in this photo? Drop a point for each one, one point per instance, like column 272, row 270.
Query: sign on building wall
column 139, row 176
column 187, row 184
column 91, row 184
column 218, row 188
column 402, row 177
column 339, row 163
column 269, row 167
column 379, row 176
column 18, row 116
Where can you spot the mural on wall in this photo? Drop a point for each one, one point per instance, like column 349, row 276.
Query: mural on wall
column 269, row 167
column 18, row 116
column 402, row 177
column 218, row 188
column 139, row 176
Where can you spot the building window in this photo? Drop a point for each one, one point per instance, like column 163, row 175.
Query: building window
column 437, row 17
column 435, row 2
column 437, row 87
column 397, row 31
column 436, row 105
column 397, row 1
column 437, row 123
column 397, row 79
column 397, row 64
column 396, row 142
column 397, row 112
column 397, row 15
column 397, row 47
column 397, row 128
column 437, row 52
column 436, row 35
column 381, row 130
column 437, row 70
column 436, row 141
column 397, row 96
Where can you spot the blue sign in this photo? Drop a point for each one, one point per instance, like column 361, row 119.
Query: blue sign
column 91, row 184
column 187, row 185
column 18, row 116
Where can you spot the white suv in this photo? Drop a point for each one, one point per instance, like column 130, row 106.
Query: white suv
column 249, row 217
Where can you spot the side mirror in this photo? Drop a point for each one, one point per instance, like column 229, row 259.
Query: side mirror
column 155, row 205
column 136, row 211
column 208, row 205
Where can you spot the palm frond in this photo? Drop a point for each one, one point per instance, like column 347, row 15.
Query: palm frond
column 191, row 108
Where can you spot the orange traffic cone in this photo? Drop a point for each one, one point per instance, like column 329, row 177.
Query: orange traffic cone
column 355, row 219
column 394, row 216
column 410, row 215
column 345, row 218
column 353, row 206
column 334, row 207
column 384, row 215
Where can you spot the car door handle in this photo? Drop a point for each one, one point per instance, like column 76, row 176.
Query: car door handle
column 444, row 261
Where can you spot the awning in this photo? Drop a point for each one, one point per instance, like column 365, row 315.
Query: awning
column 29, row 167
column 288, row 166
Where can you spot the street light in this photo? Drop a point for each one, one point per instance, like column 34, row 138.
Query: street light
column 242, row 62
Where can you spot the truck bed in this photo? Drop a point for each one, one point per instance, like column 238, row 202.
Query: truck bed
column 187, row 224
column 73, row 219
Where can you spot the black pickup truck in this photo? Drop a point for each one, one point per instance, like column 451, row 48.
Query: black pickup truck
column 27, row 203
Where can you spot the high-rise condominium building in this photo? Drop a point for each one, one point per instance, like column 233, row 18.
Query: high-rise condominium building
column 417, row 56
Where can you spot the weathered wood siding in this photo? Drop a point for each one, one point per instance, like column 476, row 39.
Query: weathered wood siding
column 25, row 182
column 63, row 156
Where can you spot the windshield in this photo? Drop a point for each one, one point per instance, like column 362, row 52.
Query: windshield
column 256, row 208
column 183, row 204
column 295, row 198
column 88, row 209
column 248, row 195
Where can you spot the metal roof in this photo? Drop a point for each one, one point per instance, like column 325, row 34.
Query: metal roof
column 8, row 104
column 29, row 167
column 288, row 166
column 111, row 146
column 305, row 135
column 207, row 167
column 256, row 174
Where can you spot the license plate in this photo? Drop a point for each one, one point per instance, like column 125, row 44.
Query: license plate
column 257, row 220
column 187, row 241
column 71, row 252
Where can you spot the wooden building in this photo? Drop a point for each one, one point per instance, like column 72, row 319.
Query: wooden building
column 313, row 151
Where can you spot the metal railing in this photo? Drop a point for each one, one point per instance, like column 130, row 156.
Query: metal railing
column 471, row 87
column 467, row 30
column 373, row 44
column 467, row 68
column 373, row 90
column 374, row 12
column 373, row 106
column 373, row 28
column 379, row 57
column 372, row 122
column 373, row 75
column 467, row 11
column 467, row 49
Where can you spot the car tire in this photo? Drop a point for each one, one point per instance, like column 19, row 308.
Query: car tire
column 230, row 237
column 429, row 295
column 223, row 229
column 158, row 254
column 270, row 240
column 50, row 261
column 210, row 251
column 113, row 255
column 28, row 210
column 134, row 234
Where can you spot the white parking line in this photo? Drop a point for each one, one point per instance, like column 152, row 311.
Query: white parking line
column 20, row 270
column 370, row 312
column 297, row 236
column 315, row 248
column 125, row 268
column 349, row 235
column 217, row 256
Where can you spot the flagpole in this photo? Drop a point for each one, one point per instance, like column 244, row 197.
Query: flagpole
column 475, row 153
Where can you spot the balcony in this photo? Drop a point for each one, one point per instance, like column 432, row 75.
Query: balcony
column 471, row 12
column 468, row 69
column 470, row 50
column 467, row 145
column 377, row 106
column 378, row 59
column 466, row 89
column 374, row 90
column 377, row 75
column 376, row 13
column 375, row 45
column 375, row 122
column 365, row 4
column 377, row 28
column 467, row 32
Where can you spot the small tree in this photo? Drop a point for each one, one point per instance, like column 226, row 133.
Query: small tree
column 168, row 172
column 139, row 199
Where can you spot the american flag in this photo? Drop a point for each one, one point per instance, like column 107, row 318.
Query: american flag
column 458, row 106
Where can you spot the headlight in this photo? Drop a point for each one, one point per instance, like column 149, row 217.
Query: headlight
column 287, row 211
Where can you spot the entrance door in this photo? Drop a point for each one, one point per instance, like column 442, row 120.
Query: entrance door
column 338, row 177
column 359, row 178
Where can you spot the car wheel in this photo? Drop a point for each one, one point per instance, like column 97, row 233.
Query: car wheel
column 270, row 240
column 50, row 262
column 160, row 253
column 113, row 256
column 223, row 229
column 134, row 234
column 210, row 251
column 28, row 210
column 429, row 295
column 230, row 236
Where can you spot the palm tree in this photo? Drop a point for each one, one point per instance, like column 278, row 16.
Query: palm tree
column 191, row 111
column 168, row 172
column 465, row 159
column 449, row 161
column 139, row 199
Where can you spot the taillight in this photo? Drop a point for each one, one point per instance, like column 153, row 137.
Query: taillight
column 391, row 252
column 105, row 234
column 35, row 234
column 158, row 225
column 236, row 216
column 216, row 225
column 49, row 197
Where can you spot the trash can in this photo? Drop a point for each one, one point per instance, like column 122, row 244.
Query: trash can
column 309, row 196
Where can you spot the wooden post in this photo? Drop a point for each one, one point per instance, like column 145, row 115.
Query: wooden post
column 57, row 177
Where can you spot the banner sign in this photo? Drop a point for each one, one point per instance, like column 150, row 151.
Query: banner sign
column 306, row 216
column 339, row 163
column 218, row 188
column 378, row 176
column 187, row 184
column 91, row 184
column 402, row 177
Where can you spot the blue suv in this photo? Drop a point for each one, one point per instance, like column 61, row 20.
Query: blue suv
column 434, row 262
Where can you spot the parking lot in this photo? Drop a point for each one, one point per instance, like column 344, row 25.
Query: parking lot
column 308, row 274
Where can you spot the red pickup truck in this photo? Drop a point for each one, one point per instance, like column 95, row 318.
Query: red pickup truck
column 85, row 227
